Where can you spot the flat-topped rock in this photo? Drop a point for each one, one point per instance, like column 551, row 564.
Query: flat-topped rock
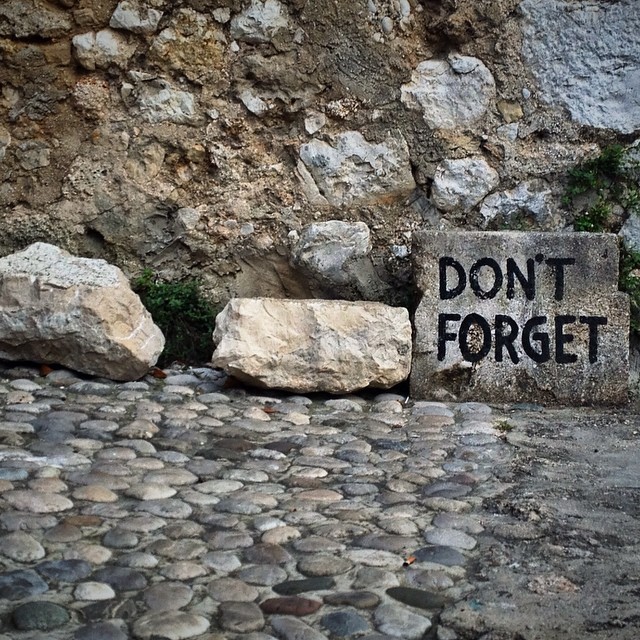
column 81, row 313
column 516, row 316
column 313, row 345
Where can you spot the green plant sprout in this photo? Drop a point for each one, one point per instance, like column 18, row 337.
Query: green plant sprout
column 611, row 179
column 182, row 314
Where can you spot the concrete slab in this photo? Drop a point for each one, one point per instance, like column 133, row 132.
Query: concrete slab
column 516, row 316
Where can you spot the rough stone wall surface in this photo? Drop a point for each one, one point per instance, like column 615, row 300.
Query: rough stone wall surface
column 202, row 136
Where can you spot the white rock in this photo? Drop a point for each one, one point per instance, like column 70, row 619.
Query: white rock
column 77, row 312
column 158, row 101
column 630, row 233
column 221, row 15
column 529, row 201
column 100, row 50
column 584, row 56
column 253, row 102
column 260, row 22
column 354, row 171
column 5, row 141
column 134, row 16
column 94, row 591
column 313, row 345
column 450, row 93
column 325, row 249
column 461, row 184
column 314, row 121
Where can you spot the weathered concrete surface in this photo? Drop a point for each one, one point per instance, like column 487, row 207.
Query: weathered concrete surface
column 520, row 316
column 560, row 556
column 313, row 345
column 81, row 313
column 584, row 57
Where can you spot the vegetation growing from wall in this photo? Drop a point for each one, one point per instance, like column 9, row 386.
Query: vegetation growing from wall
column 609, row 182
column 183, row 315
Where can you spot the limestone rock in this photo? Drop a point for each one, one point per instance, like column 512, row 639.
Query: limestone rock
column 133, row 16
column 158, row 101
column 33, row 154
column 335, row 255
column 630, row 233
column 100, row 50
column 81, row 313
column 260, row 22
column 313, row 345
column 528, row 202
column 355, row 171
column 461, row 184
column 192, row 46
column 5, row 141
column 450, row 93
column 584, row 57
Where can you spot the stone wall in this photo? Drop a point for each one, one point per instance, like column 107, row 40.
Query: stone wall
column 203, row 136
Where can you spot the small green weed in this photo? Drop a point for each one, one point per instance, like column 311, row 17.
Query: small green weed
column 610, row 179
column 630, row 282
column 183, row 315
column 504, row 426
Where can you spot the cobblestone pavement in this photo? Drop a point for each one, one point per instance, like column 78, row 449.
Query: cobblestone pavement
column 174, row 509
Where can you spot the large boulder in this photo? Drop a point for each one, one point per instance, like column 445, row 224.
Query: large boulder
column 313, row 345
column 81, row 313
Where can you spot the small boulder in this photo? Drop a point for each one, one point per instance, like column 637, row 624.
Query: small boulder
column 313, row 345
column 336, row 256
column 81, row 313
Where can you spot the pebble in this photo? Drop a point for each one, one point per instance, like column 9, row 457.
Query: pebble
column 172, row 625
column 19, row 584
column 167, row 596
column 294, row 629
column 262, row 574
column 358, row 599
column 241, row 617
column 37, row 501
column 292, row 587
column 21, row 547
column 231, row 589
column 94, row 591
column 400, row 622
column 290, row 606
column 450, row 538
column 322, row 564
column 64, row 570
column 345, row 623
column 39, row 616
column 418, row 598
column 100, row 631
